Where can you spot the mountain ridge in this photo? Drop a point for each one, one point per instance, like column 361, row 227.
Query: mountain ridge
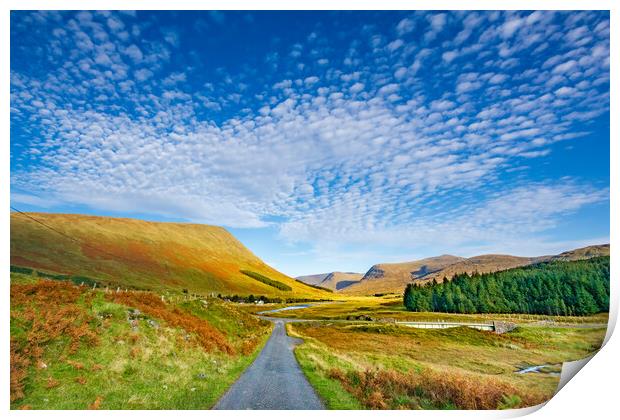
column 393, row 277
column 337, row 280
column 144, row 254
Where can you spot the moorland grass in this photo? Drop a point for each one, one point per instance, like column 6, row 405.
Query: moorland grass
column 392, row 308
column 329, row 389
column 137, row 254
column 109, row 356
column 386, row 366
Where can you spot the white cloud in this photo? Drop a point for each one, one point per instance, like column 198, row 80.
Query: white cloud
column 174, row 78
column 134, row 53
column 33, row 200
column 400, row 73
column 565, row 91
column 437, row 21
column 516, row 214
column 467, row 86
column 360, row 153
column 309, row 81
column 115, row 24
column 510, row 27
column 394, row 45
column 565, row 67
column 405, row 26
column 171, row 36
column 498, row 78
column 387, row 89
column 357, row 87
column 143, row 74
column 448, row 56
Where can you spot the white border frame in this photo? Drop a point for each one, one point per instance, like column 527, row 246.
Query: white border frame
column 590, row 396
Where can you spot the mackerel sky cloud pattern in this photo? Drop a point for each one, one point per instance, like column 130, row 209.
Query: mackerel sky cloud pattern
column 351, row 133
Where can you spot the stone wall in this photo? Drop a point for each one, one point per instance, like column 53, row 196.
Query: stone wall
column 502, row 327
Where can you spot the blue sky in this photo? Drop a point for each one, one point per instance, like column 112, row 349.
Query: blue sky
column 322, row 140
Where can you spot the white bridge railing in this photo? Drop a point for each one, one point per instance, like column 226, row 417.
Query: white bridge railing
column 431, row 325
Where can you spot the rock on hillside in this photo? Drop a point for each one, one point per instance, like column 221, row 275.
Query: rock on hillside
column 478, row 264
column 313, row 279
column 393, row 277
column 336, row 280
column 492, row 263
column 339, row 280
column 583, row 253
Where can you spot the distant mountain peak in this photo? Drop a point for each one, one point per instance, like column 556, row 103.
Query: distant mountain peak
column 336, row 280
column 393, row 277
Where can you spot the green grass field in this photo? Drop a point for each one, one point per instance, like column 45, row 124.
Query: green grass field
column 118, row 362
column 391, row 308
column 386, row 366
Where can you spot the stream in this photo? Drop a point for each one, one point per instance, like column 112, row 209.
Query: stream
column 536, row 369
column 286, row 308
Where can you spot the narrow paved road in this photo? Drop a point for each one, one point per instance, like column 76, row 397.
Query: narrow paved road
column 274, row 381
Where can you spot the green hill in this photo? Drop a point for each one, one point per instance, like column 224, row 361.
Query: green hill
column 137, row 254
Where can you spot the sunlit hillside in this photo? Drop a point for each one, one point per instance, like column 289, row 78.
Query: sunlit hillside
column 392, row 278
column 146, row 255
column 336, row 280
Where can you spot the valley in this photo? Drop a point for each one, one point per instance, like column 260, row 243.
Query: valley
column 119, row 313
column 395, row 367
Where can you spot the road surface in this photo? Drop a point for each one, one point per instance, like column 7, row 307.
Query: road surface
column 274, row 381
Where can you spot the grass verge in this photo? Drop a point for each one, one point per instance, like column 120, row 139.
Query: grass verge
column 330, row 390
column 74, row 348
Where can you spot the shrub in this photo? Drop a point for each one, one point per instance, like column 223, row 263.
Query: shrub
column 21, row 270
column 208, row 337
column 19, row 371
column 325, row 289
column 48, row 311
column 266, row 280
column 43, row 274
column 391, row 389
column 75, row 365
column 248, row 345
column 95, row 405
column 51, row 383
column 78, row 280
